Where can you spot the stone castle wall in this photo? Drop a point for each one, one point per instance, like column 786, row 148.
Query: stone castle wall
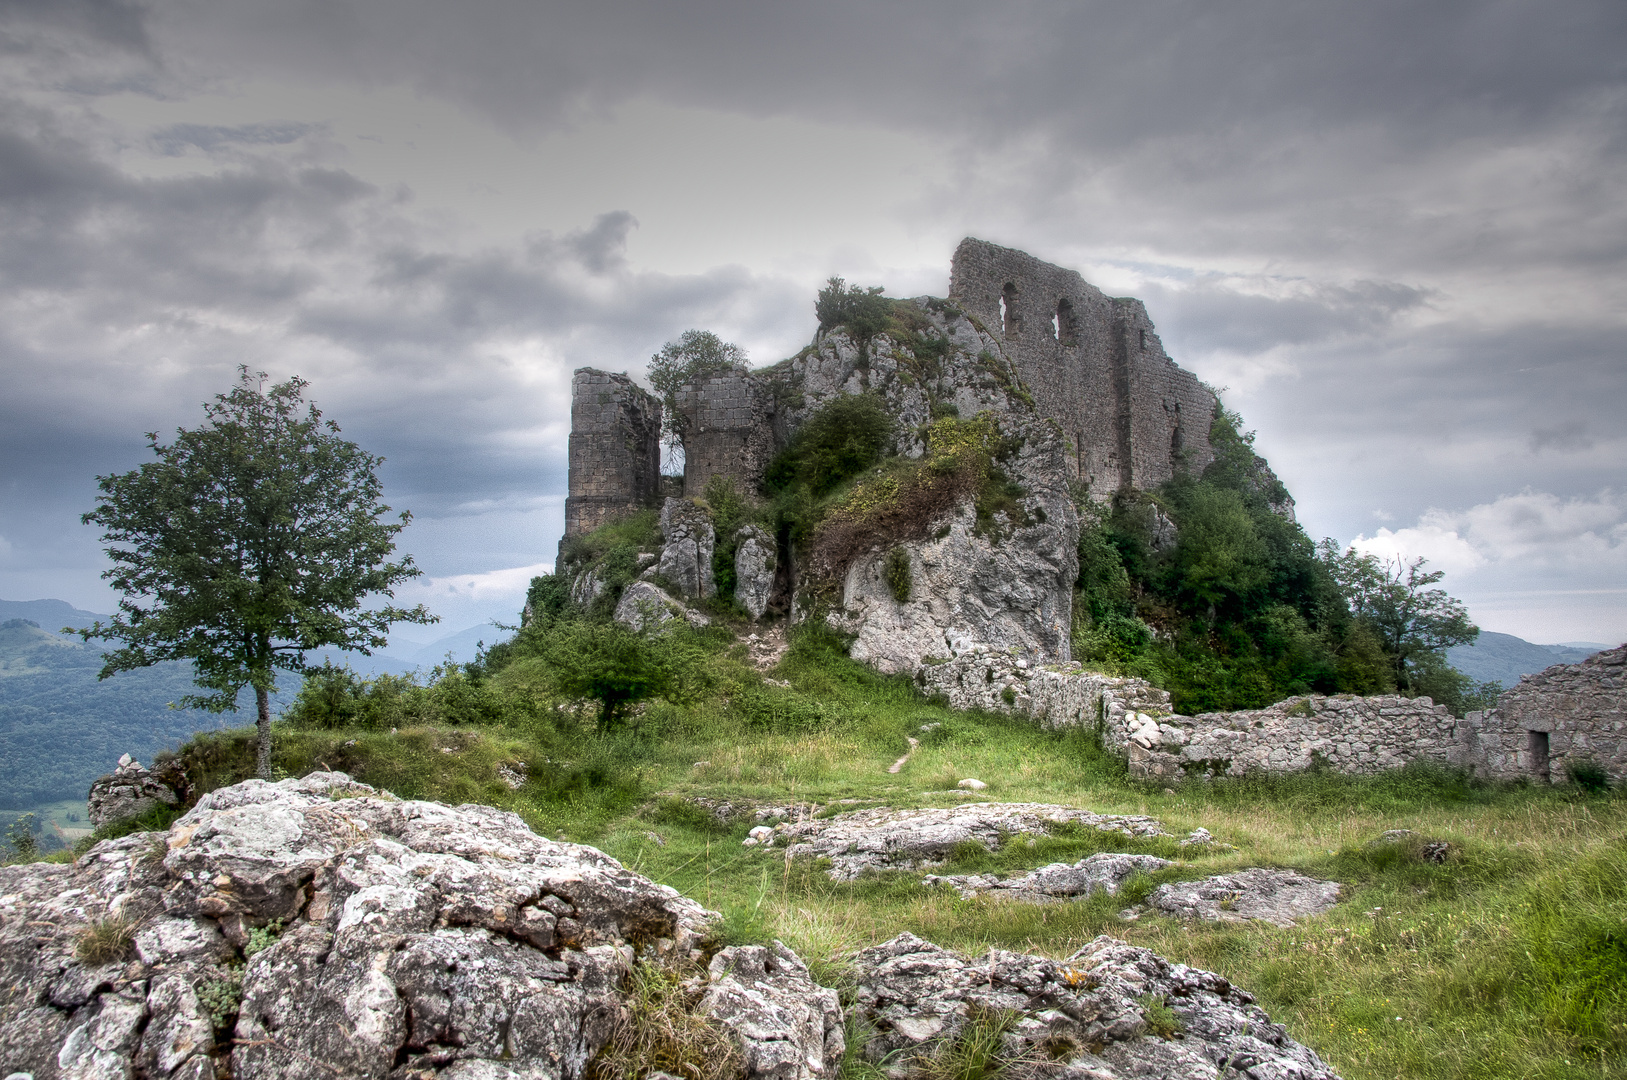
column 728, row 430
column 1561, row 715
column 1351, row 735
column 1093, row 363
column 1566, row 714
column 615, row 450
column 1356, row 736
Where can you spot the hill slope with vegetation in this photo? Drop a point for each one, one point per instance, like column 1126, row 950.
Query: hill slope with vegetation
column 61, row 727
column 1502, row 958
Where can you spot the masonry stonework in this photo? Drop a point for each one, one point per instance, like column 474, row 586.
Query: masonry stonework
column 728, row 430
column 1094, row 365
column 1563, row 715
column 615, row 450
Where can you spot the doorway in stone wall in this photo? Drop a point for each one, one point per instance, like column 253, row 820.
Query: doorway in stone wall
column 1537, row 744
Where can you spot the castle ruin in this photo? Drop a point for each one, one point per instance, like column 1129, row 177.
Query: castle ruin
column 615, row 450
column 1091, row 363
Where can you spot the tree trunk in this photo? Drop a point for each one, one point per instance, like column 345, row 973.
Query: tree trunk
column 262, row 698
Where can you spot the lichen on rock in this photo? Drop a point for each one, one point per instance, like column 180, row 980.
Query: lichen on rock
column 317, row 927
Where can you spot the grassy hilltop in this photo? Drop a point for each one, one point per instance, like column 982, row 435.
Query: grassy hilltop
column 1508, row 959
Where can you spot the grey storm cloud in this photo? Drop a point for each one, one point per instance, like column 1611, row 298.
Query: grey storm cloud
column 1399, row 230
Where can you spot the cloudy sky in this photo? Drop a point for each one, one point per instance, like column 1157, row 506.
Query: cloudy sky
column 1394, row 232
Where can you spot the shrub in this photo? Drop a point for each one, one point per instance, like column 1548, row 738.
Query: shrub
column 1161, row 1019
column 662, row 1031
column 864, row 311
column 20, row 835
column 1588, row 775
column 900, row 580
column 842, row 439
column 107, row 939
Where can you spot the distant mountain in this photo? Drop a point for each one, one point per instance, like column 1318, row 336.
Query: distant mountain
column 1504, row 658
column 50, row 614
column 462, row 645
column 61, row 727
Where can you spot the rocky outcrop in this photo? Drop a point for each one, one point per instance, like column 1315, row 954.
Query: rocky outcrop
column 1278, row 897
column 1007, row 586
column 1110, row 1010
column 686, row 557
column 1104, row 872
column 886, row 839
column 754, row 564
column 130, row 790
column 645, row 606
column 319, row 928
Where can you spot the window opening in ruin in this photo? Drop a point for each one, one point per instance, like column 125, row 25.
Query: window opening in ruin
column 1067, row 327
column 1539, row 754
column 1143, row 341
column 1008, row 310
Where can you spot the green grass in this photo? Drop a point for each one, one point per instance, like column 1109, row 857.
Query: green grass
column 1508, row 958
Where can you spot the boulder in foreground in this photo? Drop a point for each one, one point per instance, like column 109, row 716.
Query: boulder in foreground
column 1109, row 1011
column 316, row 928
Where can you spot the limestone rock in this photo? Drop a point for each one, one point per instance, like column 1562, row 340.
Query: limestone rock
column 409, row 939
column 886, row 839
column 1008, row 587
column 128, row 791
column 1278, row 897
column 686, row 558
column 644, row 606
column 1102, row 872
column 754, row 563
column 1078, row 1018
column 789, row 1027
column 586, row 587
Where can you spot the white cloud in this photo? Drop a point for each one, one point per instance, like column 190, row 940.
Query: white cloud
column 1533, row 564
column 1535, row 529
column 499, row 585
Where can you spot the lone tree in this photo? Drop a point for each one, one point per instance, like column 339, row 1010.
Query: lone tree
column 251, row 540
column 1415, row 624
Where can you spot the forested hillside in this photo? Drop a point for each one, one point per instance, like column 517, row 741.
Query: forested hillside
column 61, row 728
column 1503, row 658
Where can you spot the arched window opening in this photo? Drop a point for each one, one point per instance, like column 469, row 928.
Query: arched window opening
column 1143, row 341
column 1008, row 310
column 1067, row 326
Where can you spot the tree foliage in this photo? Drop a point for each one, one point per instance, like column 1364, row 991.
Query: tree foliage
column 250, row 540
column 1395, row 599
column 1243, row 609
column 865, row 312
column 842, row 438
column 693, row 356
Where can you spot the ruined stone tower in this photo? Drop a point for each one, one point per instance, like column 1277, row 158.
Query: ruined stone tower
column 615, row 450
column 728, row 429
column 1092, row 363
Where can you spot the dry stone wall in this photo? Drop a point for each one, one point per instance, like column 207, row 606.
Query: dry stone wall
column 1351, row 735
column 615, row 450
column 1356, row 736
column 1563, row 715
